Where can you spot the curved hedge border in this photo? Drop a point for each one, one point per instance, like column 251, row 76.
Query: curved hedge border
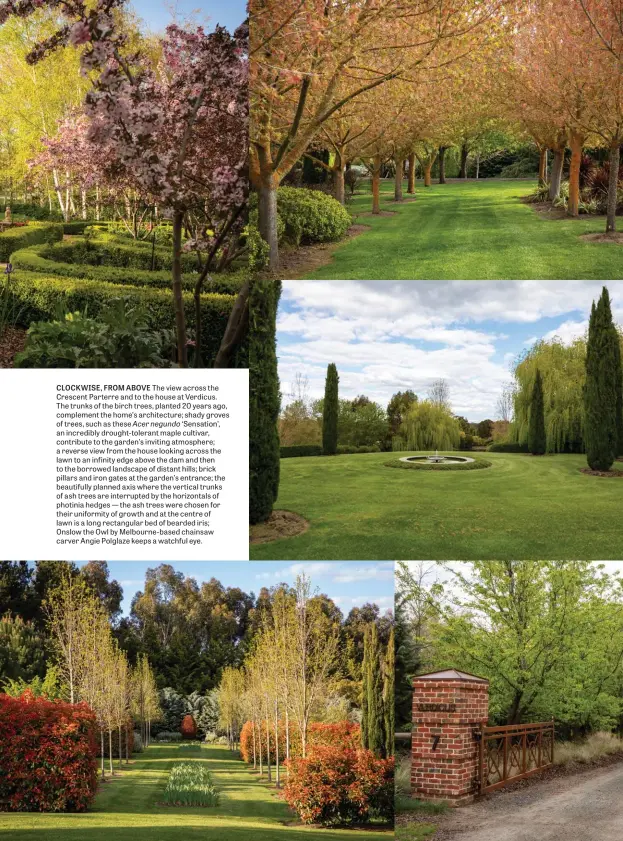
column 33, row 259
column 40, row 297
column 477, row 464
column 34, row 233
column 107, row 250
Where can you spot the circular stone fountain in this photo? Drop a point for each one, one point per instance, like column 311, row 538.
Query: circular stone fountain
column 437, row 459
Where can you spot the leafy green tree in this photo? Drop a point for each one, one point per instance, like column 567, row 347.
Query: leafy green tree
column 602, row 387
column 109, row 593
column 537, row 443
column 16, row 594
column 484, row 429
column 361, row 423
column 330, row 412
column 264, row 399
column 397, row 408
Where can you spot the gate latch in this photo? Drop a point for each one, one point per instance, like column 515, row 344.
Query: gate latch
column 476, row 735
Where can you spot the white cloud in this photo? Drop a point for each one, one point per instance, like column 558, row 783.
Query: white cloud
column 386, row 336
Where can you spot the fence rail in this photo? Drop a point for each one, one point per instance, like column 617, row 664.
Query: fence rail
column 514, row 751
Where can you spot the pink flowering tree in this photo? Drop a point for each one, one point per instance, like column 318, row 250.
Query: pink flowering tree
column 177, row 134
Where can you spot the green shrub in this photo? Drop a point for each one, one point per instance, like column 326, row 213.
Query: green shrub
column 137, row 746
column 120, row 340
column 508, row 447
column 35, row 211
column 40, row 297
column 107, row 250
column 168, row 736
column 343, row 449
column 477, row 464
column 190, row 784
column 78, row 227
column 299, row 450
column 311, row 216
column 37, row 232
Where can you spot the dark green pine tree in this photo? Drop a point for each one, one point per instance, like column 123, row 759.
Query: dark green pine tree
column 407, row 665
column 536, row 428
column 329, row 412
column 602, row 387
column 372, row 723
column 264, row 398
column 619, row 403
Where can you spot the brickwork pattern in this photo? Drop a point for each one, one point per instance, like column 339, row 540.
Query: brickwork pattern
column 445, row 754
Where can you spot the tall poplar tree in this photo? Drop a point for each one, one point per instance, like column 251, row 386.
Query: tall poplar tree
column 537, row 443
column 264, row 399
column 602, row 387
column 330, row 411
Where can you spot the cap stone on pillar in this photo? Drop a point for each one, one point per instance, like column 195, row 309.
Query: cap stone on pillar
column 449, row 707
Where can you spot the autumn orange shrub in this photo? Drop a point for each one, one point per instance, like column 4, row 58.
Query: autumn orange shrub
column 344, row 733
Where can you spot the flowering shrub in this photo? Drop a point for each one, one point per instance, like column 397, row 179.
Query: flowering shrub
column 47, row 761
column 188, row 728
column 340, row 785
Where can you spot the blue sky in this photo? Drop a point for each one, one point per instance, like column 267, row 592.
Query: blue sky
column 157, row 14
column 349, row 584
column 387, row 336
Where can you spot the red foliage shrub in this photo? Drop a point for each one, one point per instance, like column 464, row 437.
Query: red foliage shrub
column 345, row 733
column 188, row 727
column 336, row 785
column 47, row 761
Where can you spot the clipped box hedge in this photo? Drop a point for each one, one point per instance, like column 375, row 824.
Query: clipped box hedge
column 107, row 250
column 301, row 450
column 35, row 233
column 41, row 297
column 476, row 464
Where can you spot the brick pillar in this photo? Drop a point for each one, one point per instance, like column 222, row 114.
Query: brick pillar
column 448, row 707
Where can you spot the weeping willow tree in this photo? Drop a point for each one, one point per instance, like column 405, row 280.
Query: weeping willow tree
column 428, row 426
column 562, row 369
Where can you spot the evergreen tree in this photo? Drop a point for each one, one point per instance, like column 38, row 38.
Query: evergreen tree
column 619, row 400
column 330, row 411
column 264, row 399
column 389, row 707
column 602, row 387
column 536, row 430
column 406, row 666
column 372, row 721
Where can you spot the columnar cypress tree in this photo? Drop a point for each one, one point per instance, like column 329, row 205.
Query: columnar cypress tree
column 536, row 430
column 372, row 722
column 619, row 403
column 264, row 399
column 602, row 387
column 329, row 412
column 389, row 707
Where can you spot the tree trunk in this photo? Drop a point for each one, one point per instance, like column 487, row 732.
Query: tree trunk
column 442, row 164
column 338, row 176
column 464, row 154
column 427, row 173
column 573, row 208
column 267, row 221
column 376, row 184
column 557, row 164
column 477, row 166
column 127, row 745
column 277, row 780
column 542, row 167
column 411, row 185
column 120, row 748
column 613, row 184
column 268, row 773
column 112, row 773
column 83, row 195
column 97, row 202
column 178, row 298
column 254, row 751
column 102, row 746
column 237, row 325
column 259, row 738
column 398, row 179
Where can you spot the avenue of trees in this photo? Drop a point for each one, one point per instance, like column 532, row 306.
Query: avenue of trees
column 395, row 83
column 547, row 635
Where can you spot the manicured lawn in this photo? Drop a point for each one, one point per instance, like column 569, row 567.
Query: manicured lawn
column 414, row 831
column 127, row 809
column 474, row 230
column 520, row 507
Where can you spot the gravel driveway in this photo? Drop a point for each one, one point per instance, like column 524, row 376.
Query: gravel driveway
column 588, row 807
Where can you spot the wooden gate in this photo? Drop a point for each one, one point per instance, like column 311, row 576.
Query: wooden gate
column 513, row 752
